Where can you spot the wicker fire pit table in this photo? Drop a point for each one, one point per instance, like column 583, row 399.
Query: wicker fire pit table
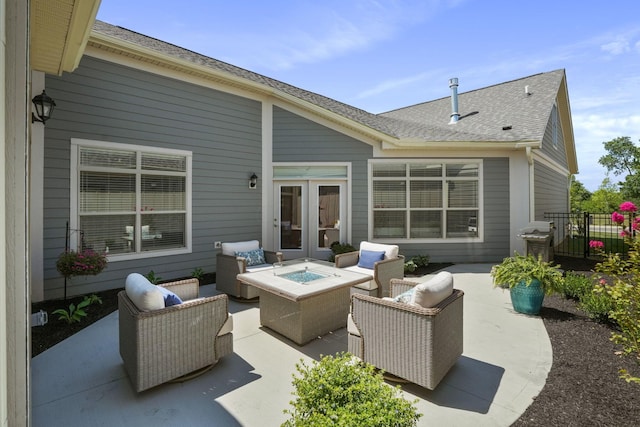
column 305, row 298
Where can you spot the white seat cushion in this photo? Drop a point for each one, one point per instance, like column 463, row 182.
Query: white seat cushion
column 390, row 251
column 227, row 327
column 351, row 326
column 230, row 248
column 433, row 291
column 369, row 285
column 144, row 294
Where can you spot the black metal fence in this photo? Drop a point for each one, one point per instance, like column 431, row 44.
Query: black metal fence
column 574, row 231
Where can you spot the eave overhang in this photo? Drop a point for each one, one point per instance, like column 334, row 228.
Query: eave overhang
column 59, row 31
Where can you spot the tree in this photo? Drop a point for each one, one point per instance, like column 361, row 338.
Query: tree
column 606, row 198
column 623, row 158
column 579, row 194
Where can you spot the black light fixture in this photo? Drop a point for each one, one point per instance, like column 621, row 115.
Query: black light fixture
column 44, row 107
column 253, row 181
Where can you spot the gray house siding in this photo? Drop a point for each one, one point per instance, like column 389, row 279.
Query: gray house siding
column 296, row 139
column 551, row 191
column 554, row 151
column 108, row 102
column 496, row 223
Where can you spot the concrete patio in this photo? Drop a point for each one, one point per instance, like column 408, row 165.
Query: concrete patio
column 81, row 381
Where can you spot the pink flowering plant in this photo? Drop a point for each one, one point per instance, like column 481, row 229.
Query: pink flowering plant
column 84, row 263
column 618, row 278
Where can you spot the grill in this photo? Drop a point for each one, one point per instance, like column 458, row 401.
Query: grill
column 538, row 237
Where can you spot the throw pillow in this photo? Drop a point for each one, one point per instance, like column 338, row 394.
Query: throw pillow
column 144, row 294
column 169, row 297
column 255, row 257
column 369, row 258
column 432, row 292
column 405, row 297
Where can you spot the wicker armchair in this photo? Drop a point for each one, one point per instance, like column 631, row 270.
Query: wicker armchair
column 411, row 342
column 161, row 345
column 391, row 267
column 229, row 265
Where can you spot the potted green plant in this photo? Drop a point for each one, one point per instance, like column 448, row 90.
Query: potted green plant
column 529, row 279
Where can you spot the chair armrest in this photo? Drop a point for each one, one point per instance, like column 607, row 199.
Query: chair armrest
column 386, row 270
column 272, row 257
column 347, row 259
column 228, row 267
column 186, row 289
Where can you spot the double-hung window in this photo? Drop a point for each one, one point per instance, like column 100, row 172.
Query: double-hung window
column 414, row 200
column 130, row 201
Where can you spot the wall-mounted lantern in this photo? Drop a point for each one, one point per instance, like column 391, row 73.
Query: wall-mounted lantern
column 253, row 181
column 44, row 107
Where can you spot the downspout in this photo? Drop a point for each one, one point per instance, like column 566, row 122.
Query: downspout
column 532, row 213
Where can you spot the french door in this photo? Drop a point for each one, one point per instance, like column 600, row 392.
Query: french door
column 309, row 216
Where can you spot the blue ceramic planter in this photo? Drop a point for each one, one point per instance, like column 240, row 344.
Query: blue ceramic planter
column 527, row 299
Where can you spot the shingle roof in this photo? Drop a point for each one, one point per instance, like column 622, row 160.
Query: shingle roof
column 347, row 111
column 484, row 112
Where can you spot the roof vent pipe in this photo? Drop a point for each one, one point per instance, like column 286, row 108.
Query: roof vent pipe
column 453, row 84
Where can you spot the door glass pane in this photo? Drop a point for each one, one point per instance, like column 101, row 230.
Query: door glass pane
column 328, row 215
column 291, row 217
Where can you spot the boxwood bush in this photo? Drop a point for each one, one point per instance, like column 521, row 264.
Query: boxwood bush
column 343, row 391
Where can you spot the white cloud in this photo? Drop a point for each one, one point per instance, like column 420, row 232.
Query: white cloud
column 616, row 47
column 394, row 84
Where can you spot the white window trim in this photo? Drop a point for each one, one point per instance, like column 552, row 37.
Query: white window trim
column 76, row 143
column 480, row 224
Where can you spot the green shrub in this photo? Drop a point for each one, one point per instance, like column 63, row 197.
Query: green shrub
column 76, row 312
column 410, row 267
column 575, row 285
column 415, row 262
column 197, row 273
column 340, row 248
column 342, row 391
column 152, row 277
column 597, row 305
column 620, row 283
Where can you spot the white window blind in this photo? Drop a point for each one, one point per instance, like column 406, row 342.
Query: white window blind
column 132, row 201
column 425, row 200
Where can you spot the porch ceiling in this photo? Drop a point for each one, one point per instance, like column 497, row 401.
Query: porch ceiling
column 59, row 33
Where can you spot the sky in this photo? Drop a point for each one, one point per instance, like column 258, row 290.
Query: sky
column 379, row 55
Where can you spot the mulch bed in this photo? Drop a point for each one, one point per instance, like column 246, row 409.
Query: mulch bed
column 582, row 388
